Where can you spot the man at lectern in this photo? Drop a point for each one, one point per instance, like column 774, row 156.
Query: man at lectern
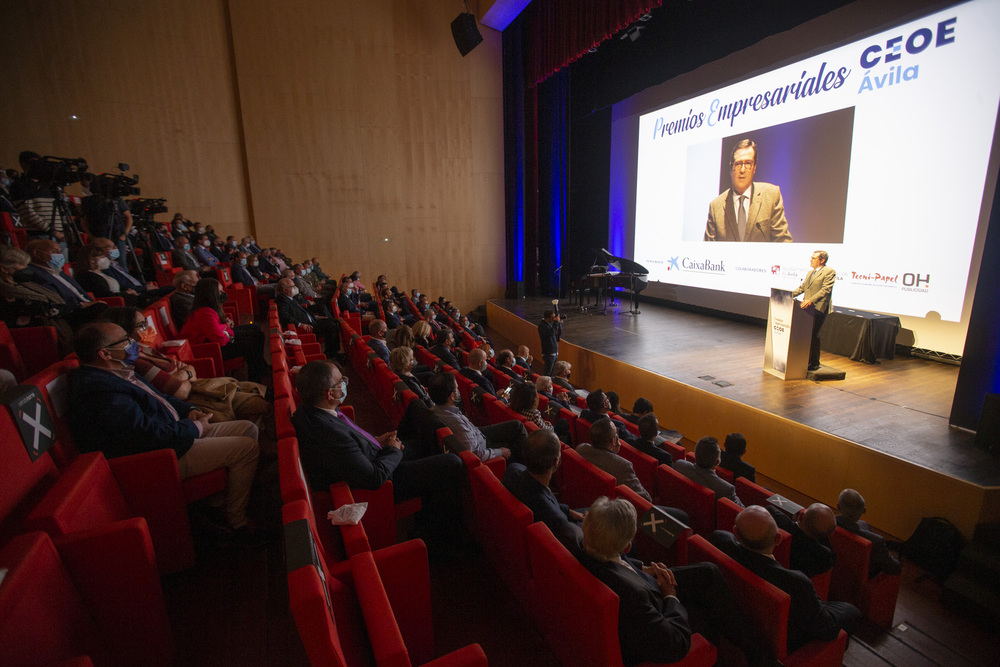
column 748, row 211
column 818, row 293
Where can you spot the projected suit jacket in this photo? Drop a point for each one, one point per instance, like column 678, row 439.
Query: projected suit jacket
column 765, row 217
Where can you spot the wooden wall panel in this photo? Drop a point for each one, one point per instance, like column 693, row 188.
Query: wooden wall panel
column 152, row 85
column 363, row 123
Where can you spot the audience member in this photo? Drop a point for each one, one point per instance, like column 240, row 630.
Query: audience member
column 203, row 253
column 113, row 411
column 505, row 364
column 422, row 333
column 561, row 372
column 88, row 267
column 207, row 323
column 401, row 362
column 544, row 386
column 487, row 442
column 46, row 269
column 378, row 329
column 707, row 456
column 181, row 255
column 809, row 617
column 25, row 303
column 732, row 458
column 649, row 429
column 478, row 371
column 523, row 357
column 524, row 401
column 182, row 297
column 851, row 506
column 659, row 608
column 811, row 552
column 641, row 407
column 599, row 406
column 603, row 450
column 148, row 291
column 334, row 449
column 444, row 341
column 529, row 482
column 291, row 311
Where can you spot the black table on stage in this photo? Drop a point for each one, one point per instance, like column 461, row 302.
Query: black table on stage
column 860, row 335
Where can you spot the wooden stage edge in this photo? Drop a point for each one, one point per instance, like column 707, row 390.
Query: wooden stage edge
column 898, row 493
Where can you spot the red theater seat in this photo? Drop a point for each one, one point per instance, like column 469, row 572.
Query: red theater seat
column 576, row 613
column 94, row 595
column 676, row 490
column 583, row 482
column 768, row 607
column 875, row 597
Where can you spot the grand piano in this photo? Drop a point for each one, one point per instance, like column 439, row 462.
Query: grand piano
column 606, row 273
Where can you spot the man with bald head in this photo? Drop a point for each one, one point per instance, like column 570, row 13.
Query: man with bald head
column 811, row 550
column 809, row 617
column 851, row 506
column 114, row 411
column 478, row 372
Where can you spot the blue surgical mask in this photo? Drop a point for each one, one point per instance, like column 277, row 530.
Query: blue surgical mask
column 114, row 253
column 57, row 260
column 243, row 261
column 131, row 353
column 187, row 246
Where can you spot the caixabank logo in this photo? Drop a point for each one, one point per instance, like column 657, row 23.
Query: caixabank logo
column 704, row 266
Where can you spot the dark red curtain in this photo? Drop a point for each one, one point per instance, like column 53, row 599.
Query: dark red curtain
column 560, row 31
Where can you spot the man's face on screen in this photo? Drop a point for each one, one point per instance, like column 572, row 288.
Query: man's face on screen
column 744, row 166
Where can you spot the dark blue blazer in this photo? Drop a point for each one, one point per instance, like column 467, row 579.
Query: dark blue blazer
column 44, row 278
column 543, row 505
column 241, row 275
column 125, row 279
column 480, row 379
column 331, row 452
column 111, row 415
column 380, row 348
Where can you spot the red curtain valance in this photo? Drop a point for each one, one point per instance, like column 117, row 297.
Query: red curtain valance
column 560, row 31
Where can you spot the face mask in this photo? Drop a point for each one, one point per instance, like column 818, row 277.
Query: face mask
column 148, row 337
column 343, row 391
column 56, row 260
column 187, row 246
column 207, row 243
column 350, row 290
column 243, row 261
column 295, row 291
column 131, row 353
column 114, row 253
column 232, row 244
column 200, row 230
column 103, row 263
column 253, row 263
column 5, row 182
column 309, row 270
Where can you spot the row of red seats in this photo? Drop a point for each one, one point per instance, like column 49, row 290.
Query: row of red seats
column 357, row 596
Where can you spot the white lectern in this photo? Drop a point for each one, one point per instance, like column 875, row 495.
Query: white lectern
column 789, row 333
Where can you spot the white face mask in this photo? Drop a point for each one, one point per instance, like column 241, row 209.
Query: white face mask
column 103, row 263
column 207, row 243
column 295, row 291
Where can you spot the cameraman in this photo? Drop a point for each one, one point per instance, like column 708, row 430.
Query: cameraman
column 106, row 215
column 36, row 203
column 550, row 331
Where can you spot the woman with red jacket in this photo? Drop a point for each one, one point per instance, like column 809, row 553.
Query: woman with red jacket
column 207, row 323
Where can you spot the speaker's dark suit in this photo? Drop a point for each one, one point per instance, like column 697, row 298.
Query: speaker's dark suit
column 808, row 617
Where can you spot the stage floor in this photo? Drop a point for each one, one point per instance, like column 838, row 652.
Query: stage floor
column 899, row 407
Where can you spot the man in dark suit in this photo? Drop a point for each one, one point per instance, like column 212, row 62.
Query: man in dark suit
column 161, row 240
column 291, row 312
column 752, row 547
column 46, row 265
column 182, row 257
column 529, row 483
column 523, row 357
column 182, row 298
column 851, row 506
column 561, row 372
column 478, row 371
column 505, row 364
column 378, row 329
column 148, row 292
column 649, row 428
column 748, row 211
column 334, row 449
column 811, row 552
column 654, row 600
column 444, row 341
column 732, row 458
column 118, row 413
column 817, row 293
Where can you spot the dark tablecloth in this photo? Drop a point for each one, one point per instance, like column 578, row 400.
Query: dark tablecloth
column 860, row 335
